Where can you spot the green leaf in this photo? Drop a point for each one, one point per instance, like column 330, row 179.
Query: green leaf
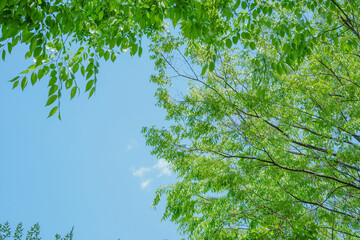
column 73, row 92
column 91, row 92
column 106, row 55
column 175, row 20
column 41, row 73
column 228, row 43
column 53, row 73
column 101, row 15
column 76, row 67
column 252, row 45
column 245, row 35
column 237, row 4
column 2, row 4
column 3, row 55
column 113, row 56
column 89, row 85
column 71, row 62
column 14, row 79
column 24, row 82
column 39, row 61
column 235, row 40
column 204, row 69
column 16, row 40
column 51, row 100
column 33, row 78
column 16, row 83
column 52, row 81
column 52, row 111
column 211, row 66
column 37, row 51
column 58, row 46
column 89, row 74
column 118, row 41
column 28, row 54
column 112, row 43
column 53, row 89
column 243, row 5
column 140, row 51
column 26, row 35
column 33, row 43
column 68, row 83
column 279, row 69
column 32, row 67
column 9, row 45
column 133, row 49
column 83, row 70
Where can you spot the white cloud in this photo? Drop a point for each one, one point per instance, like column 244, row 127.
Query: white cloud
column 160, row 168
column 140, row 172
column 163, row 167
column 145, row 183
column 132, row 144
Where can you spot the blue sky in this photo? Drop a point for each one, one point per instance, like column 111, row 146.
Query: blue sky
column 91, row 170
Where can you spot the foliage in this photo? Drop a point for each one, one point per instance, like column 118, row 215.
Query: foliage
column 67, row 37
column 266, row 139
column 32, row 234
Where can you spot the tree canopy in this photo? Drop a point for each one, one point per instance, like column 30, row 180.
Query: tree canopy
column 66, row 37
column 266, row 140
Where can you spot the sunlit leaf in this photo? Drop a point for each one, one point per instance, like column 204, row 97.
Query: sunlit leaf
column 24, row 82
column 51, row 100
column 33, row 78
column 52, row 111
column 73, row 92
column 89, row 85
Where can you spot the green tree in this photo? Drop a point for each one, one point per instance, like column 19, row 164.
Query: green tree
column 32, row 234
column 266, row 142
